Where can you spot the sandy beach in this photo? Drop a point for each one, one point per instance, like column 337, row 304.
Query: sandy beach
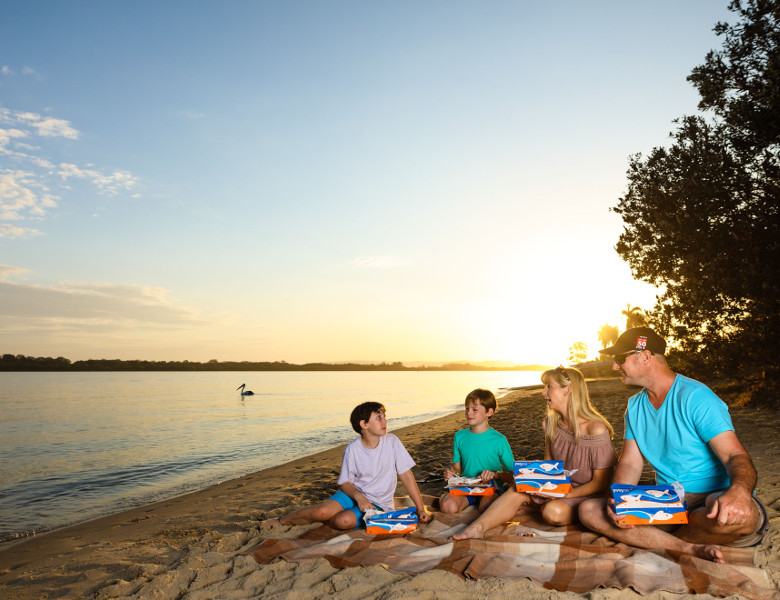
column 194, row 546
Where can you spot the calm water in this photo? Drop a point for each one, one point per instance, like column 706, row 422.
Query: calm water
column 74, row 446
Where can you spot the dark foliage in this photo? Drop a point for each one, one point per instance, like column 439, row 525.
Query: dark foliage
column 740, row 82
column 701, row 216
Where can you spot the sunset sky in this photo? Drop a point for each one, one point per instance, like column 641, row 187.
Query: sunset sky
column 328, row 180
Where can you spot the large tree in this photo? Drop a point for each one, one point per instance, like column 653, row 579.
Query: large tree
column 740, row 82
column 701, row 216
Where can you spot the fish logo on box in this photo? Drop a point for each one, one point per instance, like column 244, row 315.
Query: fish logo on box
column 394, row 521
column 544, row 477
column 650, row 504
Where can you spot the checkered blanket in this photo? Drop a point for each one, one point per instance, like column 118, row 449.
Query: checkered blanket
column 565, row 558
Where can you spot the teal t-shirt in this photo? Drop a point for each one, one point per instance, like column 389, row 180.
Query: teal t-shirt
column 674, row 439
column 477, row 452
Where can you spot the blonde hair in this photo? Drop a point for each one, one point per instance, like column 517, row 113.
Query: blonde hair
column 579, row 402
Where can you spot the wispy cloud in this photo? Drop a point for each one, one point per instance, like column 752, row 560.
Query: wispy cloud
column 109, row 183
column 8, row 71
column 11, row 231
column 23, row 195
column 377, row 262
column 36, row 185
column 7, row 272
column 87, row 305
column 191, row 114
column 43, row 126
column 6, row 135
column 55, row 128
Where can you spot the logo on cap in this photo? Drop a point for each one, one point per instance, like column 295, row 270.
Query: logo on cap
column 641, row 342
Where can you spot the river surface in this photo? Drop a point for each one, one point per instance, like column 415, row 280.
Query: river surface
column 75, row 446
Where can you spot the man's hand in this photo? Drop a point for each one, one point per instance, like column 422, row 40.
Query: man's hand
column 449, row 472
column 612, row 515
column 487, row 475
column 732, row 507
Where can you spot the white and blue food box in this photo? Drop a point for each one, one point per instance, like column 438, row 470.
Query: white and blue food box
column 473, row 486
column 394, row 521
column 545, row 477
column 650, row 504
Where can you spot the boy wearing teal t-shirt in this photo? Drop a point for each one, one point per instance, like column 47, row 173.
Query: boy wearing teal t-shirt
column 479, row 451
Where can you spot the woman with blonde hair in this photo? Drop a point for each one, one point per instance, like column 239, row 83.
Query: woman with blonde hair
column 575, row 433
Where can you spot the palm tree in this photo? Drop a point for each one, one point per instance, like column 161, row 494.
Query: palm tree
column 635, row 316
column 608, row 335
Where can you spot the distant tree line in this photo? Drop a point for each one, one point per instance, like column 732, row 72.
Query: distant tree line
column 19, row 362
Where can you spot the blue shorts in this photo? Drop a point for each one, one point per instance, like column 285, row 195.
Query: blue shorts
column 348, row 503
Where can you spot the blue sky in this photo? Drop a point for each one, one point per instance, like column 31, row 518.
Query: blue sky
column 327, row 181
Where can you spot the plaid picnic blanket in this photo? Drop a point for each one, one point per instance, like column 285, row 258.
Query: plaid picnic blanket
column 565, row 558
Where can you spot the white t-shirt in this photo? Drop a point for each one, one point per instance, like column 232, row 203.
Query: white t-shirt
column 374, row 471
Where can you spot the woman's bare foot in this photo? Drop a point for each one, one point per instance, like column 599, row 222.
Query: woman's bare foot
column 708, row 552
column 272, row 523
column 472, row 531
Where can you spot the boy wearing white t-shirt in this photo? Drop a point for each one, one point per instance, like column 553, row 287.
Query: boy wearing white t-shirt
column 370, row 470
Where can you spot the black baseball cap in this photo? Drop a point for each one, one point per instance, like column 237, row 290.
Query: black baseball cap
column 637, row 338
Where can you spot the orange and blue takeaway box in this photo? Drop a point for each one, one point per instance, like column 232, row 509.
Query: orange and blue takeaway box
column 394, row 521
column 544, row 477
column 650, row 504
column 470, row 486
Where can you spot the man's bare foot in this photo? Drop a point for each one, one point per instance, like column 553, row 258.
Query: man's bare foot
column 272, row 523
column 472, row 531
column 708, row 552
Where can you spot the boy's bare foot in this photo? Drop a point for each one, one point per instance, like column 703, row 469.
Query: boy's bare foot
column 708, row 552
column 272, row 523
column 472, row 531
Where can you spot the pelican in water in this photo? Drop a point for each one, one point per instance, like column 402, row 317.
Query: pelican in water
column 245, row 392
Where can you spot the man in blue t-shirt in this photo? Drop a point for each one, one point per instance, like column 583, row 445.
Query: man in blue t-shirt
column 685, row 432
